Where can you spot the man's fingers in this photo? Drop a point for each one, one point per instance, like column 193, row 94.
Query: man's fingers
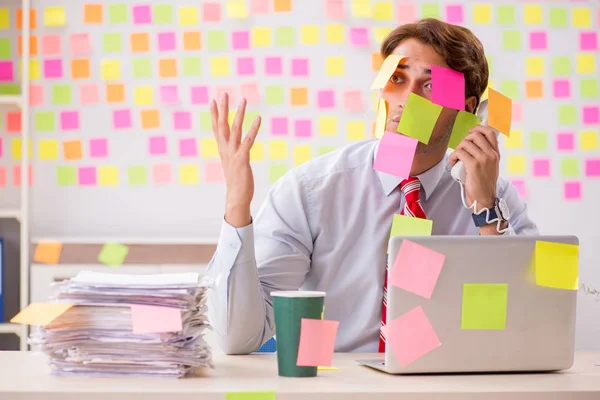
column 238, row 120
column 465, row 157
column 488, row 133
column 473, row 150
column 252, row 133
column 214, row 119
column 223, row 116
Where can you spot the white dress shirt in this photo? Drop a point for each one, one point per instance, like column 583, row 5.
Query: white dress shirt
column 325, row 226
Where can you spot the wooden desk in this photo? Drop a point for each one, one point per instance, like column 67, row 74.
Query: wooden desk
column 25, row 376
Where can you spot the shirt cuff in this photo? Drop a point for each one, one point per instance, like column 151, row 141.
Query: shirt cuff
column 236, row 245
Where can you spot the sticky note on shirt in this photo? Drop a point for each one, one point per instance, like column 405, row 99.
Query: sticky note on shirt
column 499, row 111
column 317, row 342
column 155, row 319
column 447, row 88
column 416, row 269
column 387, row 69
column 484, row 306
column 419, row 118
column 557, row 265
column 113, row 254
column 48, row 252
column 464, row 121
column 403, row 225
column 395, row 154
column 40, row 314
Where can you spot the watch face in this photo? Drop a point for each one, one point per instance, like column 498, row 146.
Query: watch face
column 504, row 209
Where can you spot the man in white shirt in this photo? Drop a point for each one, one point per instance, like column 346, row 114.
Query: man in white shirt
column 325, row 225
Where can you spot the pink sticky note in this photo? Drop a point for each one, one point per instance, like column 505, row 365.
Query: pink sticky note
column 251, row 92
column 80, row 43
column 157, row 145
column 259, row 6
column 572, row 190
column 538, row 40
column 6, row 71
column 219, row 90
column 213, row 172
column 447, row 87
column 416, row 269
column 142, row 14
column 565, row 141
column 51, row 44
column 2, row 177
column 591, row 115
column 353, row 100
column 395, row 154
column 87, row 176
column 279, row 126
column 245, row 66
column 69, row 120
column 541, row 168
column 273, row 66
column 52, row 69
column 592, row 167
column 88, row 94
column 36, row 95
column 211, row 12
column 335, row 9
column 326, row 99
column 588, row 41
column 122, row 119
column 182, row 120
column 517, row 111
column 188, row 147
column 166, row 41
column 407, row 12
column 17, row 175
column 299, row 66
column 240, row 40
column 199, row 95
column 161, row 173
column 98, row 147
column 411, row 336
column 1, row 153
column 519, row 184
column 13, row 122
column 317, row 342
column 169, row 94
column 561, row 88
column 303, row 127
column 359, row 37
column 154, row 319
column 454, row 13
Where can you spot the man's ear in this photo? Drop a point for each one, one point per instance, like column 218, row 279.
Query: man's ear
column 470, row 104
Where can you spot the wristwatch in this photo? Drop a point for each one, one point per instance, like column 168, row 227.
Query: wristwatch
column 499, row 211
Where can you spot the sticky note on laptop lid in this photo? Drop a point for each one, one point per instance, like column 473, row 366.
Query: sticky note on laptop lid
column 557, row 265
column 416, row 269
column 387, row 69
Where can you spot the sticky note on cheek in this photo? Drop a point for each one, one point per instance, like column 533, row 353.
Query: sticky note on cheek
column 447, row 87
column 419, row 118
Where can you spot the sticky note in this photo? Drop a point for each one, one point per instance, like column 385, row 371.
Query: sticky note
column 454, row 14
column 88, row 94
column 155, row 319
column 278, row 150
column 80, row 69
column 52, row 69
column 303, row 128
column 13, row 121
column 274, row 95
column 167, row 68
column 586, row 63
column 588, row 140
column 121, row 119
column 51, row 44
column 69, row 120
column 327, row 368
column 240, row 40
column 499, row 111
column 381, row 119
column 282, row 6
column 359, row 37
column 237, row 9
column 581, row 17
column 334, row 9
column 411, row 336
column 561, row 88
column 17, row 149
column 141, row 68
column 279, row 126
column 567, row 115
column 117, row 13
column 557, row 265
column 419, row 118
column 464, row 121
column 162, row 14
column 482, row 14
column 572, row 190
column 561, row 66
column 538, row 141
column 334, row 66
column 416, row 269
column 317, row 342
column 302, row 154
column 591, row 115
column 182, row 120
column 334, row 34
column 86, row 176
column 44, row 121
column 189, row 175
column 251, row 92
column 395, row 154
column 516, row 164
column 4, row 18
column 61, row 94
column 327, row 126
column 403, row 225
column 569, row 167
column 251, row 396
column 257, row 152
column 143, row 96
column 113, row 254
column 430, row 10
column 592, row 167
column 261, row 36
column 157, row 145
column 169, row 94
column 588, row 88
column 355, row 130
column 108, row 176
column 98, row 148
column 448, row 88
column 298, row 96
column 54, row 16
column 211, row 12
column 273, row 66
column 326, row 99
column 219, row 66
column 565, row 141
column 166, row 41
column 538, row 40
column 72, row 150
column 533, row 14
column 558, row 17
column 588, row 41
column 40, row 314
column 534, row 89
column 115, row 93
column 387, row 69
column 245, row 66
column 66, row 175
column 48, row 252
column 309, row 34
column 535, row 66
column 188, row 147
column 191, row 66
column 92, row 13
column 110, row 69
column 161, row 174
column 299, row 66
column 484, row 306
column 505, row 14
column 284, row 36
column 541, row 168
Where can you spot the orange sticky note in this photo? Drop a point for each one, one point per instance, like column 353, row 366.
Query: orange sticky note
column 72, row 150
column 191, row 41
column 48, row 252
column 167, row 68
column 40, row 314
column 534, row 89
column 115, row 93
column 298, row 96
column 499, row 111
column 317, row 342
column 282, row 5
column 150, row 119
column 33, row 48
column 80, row 69
column 92, row 14
column 32, row 19
column 139, row 42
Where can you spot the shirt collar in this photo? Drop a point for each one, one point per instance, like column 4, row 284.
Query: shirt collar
column 429, row 179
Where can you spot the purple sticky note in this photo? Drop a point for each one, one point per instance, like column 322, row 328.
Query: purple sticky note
column 572, row 190
column 326, row 99
column 561, row 88
column 199, row 95
column 251, row 92
column 454, row 14
column 273, row 66
column 447, row 88
column 122, row 119
column 591, row 115
column 299, row 66
column 588, row 41
column 245, row 66
column 303, row 127
column 142, row 14
column 538, row 40
column 279, row 126
column 157, row 145
column 240, row 40
column 98, row 147
column 565, row 141
column 88, row 94
column 87, row 175
column 416, row 269
column 519, row 184
column 541, row 168
column 395, row 154
column 6, row 71
column 353, row 101
column 166, row 41
column 359, row 37
column 52, row 69
column 169, row 94
column 592, row 167
column 188, row 147
column 80, row 43
column 182, row 120
column 335, row 9
column 69, row 120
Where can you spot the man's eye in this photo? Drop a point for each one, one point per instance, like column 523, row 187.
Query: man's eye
column 428, row 86
column 395, row 79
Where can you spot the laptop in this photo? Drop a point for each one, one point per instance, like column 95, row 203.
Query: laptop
column 539, row 331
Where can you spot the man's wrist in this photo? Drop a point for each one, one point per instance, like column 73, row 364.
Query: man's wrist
column 238, row 216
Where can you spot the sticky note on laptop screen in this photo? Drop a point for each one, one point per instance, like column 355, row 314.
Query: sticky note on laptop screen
column 388, row 67
column 484, row 306
column 447, row 87
column 557, row 265
column 416, row 269
column 419, row 118
column 403, row 225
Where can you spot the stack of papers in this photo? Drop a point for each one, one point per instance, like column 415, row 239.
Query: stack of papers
column 139, row 325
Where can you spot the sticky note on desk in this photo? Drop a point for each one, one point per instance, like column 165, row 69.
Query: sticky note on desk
column 155, row 319
column 113, row 254
column 317, row 342
column 395, row 154
column 404, row 225
column 448, row 88
column 250, row 396
column 411, row 336
column 499, row 111
column 48, row 252
column 419, row 118
column 557, row 265
column 40, row 314
column 416, row 269
column 387, row 69
column 484, row 306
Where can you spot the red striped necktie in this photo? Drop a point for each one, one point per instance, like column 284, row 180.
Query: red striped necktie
column 411, row 188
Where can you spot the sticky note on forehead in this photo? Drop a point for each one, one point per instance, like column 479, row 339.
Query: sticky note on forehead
column 499, row 111
column 387, row 69
column 419, row 118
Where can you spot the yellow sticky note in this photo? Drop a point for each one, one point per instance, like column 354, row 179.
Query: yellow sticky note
column 278, row 150
column 381, row 33
column 143, row 96
column 327, row 126
column 535, row 66
column 356, row 130
column 516, row 165
column 108, row 176
column 387, row 69
column 219, row 66
column 362, row 8
column 588, row 140
column 54, row 16
column 16, row 149
column 257, row 152
column 327, row 368
column 230, row 117
column 403, row 225
column 188, row 16
column 237, row 9
column 383, row 11
column 4, row 18
column 111, row 69
column 334, row 34
column 557, row 265
column 48, row 252
column 261, row 37
column 515, row 140
column 309, row 34
column 209, row 148
column 35, row 71
column 302, row 154
column 484, row 306
column 335, row 66
column 482, row 14
column 381, row 120
column 40, row 314
column 533, row 14
column 586, row 63
column 582, row 17
column 189, row 175
column 48, row 149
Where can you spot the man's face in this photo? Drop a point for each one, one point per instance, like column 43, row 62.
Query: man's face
column 414, row 75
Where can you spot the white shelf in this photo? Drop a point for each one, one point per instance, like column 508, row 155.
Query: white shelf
column 12, row 100
column 11, row 328
column 10, row 213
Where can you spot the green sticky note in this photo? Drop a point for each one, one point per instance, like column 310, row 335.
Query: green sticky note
column 561, row 66
column 5, row 52
column 589, row 88
column 112, row 42
column 567, row 115
column 511, row 40
column 113, row 254
column 137, row 175
column 117, row 13
column 142, row 68
column 464, row 121
column 216, row 40
column 538, row 141
column 557, row 265
column 61, row 94
column 558, row 17
column 419, row 118
column 510, row 88
column 44, row 121
column 10, row 89
column 505, row 15
column 484, row 306
column 285, row 36
column 404, row 225
column 250, row 396
column 277, row 171
column 205, row 121
column 430, row 10
column 162, row 14
column 274, row 95
column 249, row 119
column 66, row 175
column 191, row 66
column 325, row 150
column 569, row 167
